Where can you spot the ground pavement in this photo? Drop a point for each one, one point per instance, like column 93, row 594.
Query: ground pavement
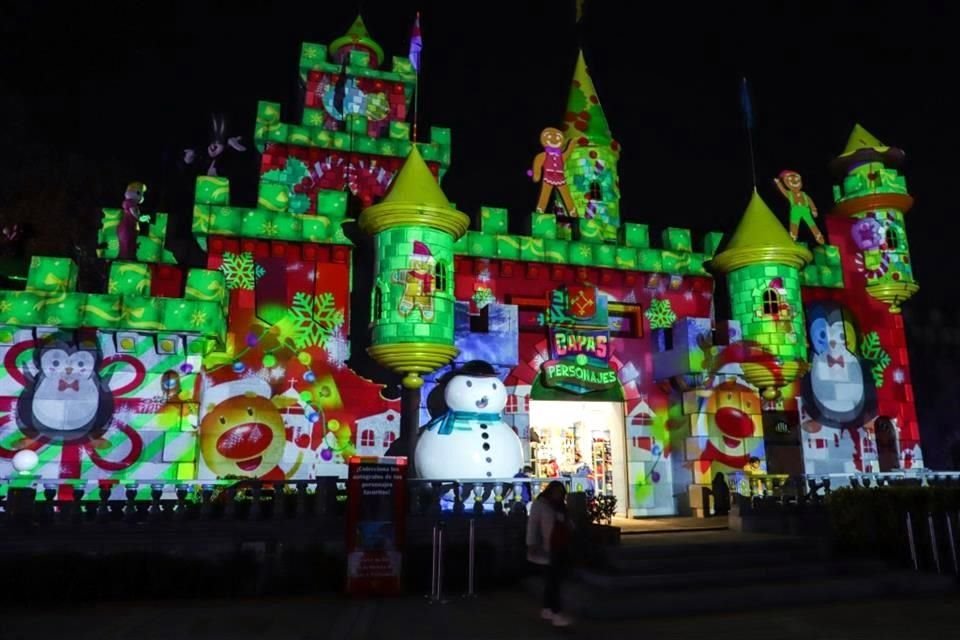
column 502, row 615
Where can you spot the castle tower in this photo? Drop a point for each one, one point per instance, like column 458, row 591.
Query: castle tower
column 763, row 264
column 591, row 169
column 353, row 135
column 414, row 229
column 872, row 195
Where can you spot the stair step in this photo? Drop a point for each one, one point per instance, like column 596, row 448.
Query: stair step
column 731, row 560
column 587, row 601
column 682, row 580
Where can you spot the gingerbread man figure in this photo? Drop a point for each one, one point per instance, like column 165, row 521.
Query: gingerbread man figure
column 548, row 169
column 418, row 283
column 802, row 208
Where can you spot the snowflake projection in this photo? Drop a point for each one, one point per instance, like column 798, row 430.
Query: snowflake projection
column 872, row 350
column 240, row 271
column 338, row 349
column 660, row 314
column 482, row 297
column 688, row 295
column 270, row 374
column 313, row 320
column 899, row 376
column 150, row 405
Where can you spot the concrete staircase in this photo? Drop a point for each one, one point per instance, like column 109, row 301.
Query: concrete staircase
column 724, row 571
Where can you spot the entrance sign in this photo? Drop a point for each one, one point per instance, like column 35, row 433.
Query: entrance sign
column 376, row 510
column 577, row 322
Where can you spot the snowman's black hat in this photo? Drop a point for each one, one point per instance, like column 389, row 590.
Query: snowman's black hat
column 475, row 369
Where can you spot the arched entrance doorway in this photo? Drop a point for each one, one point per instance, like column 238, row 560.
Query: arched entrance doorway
column 888, row 450
column 583, row 436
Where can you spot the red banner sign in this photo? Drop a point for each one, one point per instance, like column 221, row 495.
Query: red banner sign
column 376, row 523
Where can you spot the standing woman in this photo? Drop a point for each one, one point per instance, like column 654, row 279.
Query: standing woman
column 548, row 542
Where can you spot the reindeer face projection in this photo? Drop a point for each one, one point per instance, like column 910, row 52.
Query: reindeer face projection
column 65, row 399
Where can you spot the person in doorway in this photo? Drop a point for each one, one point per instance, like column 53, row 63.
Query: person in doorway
column 552, row 469
column 548, row 542
column 525, row 495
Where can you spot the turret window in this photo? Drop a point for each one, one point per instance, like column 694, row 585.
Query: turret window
column 377, row 304
column 772, row 302
column 891, row 239
column 440, row 273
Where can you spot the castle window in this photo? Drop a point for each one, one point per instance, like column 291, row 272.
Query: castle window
column 377, row 304
column 771, row 302
column 595, row 192
column 440, row 273
column 368, row 438
column 388, row 439
column 890, row 237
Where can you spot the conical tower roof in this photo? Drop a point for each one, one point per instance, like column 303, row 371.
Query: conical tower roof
column 863, row 146
column 859, row 139
column 759, row 238
column 585, row 117
column 414, row 199
column 415, row 183
column 357, row 34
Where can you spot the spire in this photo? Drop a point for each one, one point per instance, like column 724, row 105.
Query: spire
column 759, row 237
column 415, row 183
column 585, row 117
column 358, row 36
column 863, row 146
column 859, row 139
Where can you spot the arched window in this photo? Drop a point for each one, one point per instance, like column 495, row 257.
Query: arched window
column 368, row 438
column 388, row 439
column 377, row 304
column 440, row 273
column 891, row 239
column 771, row 302
column 596, row 193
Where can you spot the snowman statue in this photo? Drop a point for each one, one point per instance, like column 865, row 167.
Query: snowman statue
column 469, row 440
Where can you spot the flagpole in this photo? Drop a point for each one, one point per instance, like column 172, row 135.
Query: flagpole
column 748, row 117
column 416, row 82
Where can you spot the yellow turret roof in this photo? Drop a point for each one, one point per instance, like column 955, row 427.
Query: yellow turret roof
column 585, row 117
column 357, row 34
column 759, row 238
column 414, row 199
column 859, row 139
column 415, row 183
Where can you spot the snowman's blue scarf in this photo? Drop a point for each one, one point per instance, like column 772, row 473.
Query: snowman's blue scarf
column 444, row 423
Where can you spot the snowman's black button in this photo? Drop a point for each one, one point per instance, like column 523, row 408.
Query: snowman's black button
column 486, row 446
column 483, row 426
column 484, row 435
column 489, row 475
column 489, row 459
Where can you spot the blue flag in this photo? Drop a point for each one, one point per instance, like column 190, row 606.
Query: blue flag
column 416, row 44
column 746, row 105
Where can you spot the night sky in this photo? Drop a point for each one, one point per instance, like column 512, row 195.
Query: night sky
column 95, row 96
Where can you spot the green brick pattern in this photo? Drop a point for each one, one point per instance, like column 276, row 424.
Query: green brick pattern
column 584, row 178
column 868, row 179
column 593, row 248
column 786, row 338
column 393, row 251
column 51, row 300
column 826, row 270
column 213, row 215
column 269, row 129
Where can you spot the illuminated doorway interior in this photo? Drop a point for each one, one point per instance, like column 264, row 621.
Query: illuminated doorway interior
column 583, row 440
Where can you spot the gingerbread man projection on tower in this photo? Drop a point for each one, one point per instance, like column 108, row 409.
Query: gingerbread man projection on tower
column 548, row 170
column 418, row 283
column 802, row 208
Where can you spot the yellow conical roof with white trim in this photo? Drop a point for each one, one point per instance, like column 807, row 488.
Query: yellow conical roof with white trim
column 414, row 199
column 759, row 238
column 415, row 183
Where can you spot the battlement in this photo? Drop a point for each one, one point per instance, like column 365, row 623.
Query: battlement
column 354, row 138
column 551, row 242
column 314, row 58
column 272, row 219
column 871, row 178
column 51, row 300
column 150, row 246
column 690, row 346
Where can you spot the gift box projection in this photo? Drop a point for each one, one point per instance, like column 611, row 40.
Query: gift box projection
column 640, row 368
